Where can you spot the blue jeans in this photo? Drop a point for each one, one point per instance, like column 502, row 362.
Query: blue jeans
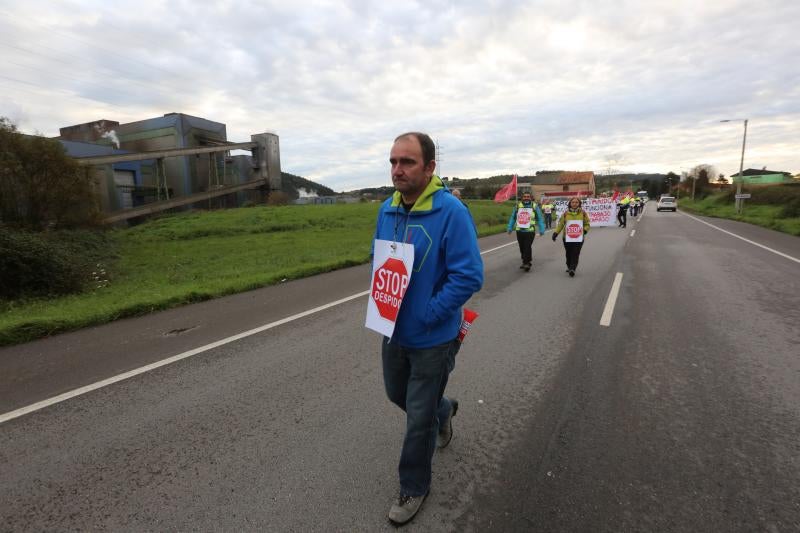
column 415, row 379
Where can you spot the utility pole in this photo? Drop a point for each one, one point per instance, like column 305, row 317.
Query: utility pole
column 741, row 173
column 438, row 160
column 739, row 200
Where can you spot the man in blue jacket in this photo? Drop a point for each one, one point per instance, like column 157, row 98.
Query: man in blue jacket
column 525, row 219
column 448, row 270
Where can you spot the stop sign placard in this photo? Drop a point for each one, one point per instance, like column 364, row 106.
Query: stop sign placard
column 523, row 218
column 574, row 230
column 389, row 285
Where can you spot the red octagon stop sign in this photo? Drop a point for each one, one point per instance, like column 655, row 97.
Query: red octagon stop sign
column 574, row 230
column 388, row 288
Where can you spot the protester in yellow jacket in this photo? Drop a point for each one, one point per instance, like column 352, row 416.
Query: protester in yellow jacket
column 622, row 211
column 525, row 220
column 575, row 224
column 548, row 209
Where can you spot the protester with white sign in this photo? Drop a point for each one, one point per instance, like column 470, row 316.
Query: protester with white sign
column 525, row 219
column 547, row 209
column 575, row 224
column 427, row 265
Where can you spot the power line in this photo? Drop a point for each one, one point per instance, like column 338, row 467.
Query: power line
column 153, row 88
column 49, row 91
column 72, row 36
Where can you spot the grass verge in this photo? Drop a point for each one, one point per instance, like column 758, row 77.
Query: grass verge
column 768, row 216
column 191, row 257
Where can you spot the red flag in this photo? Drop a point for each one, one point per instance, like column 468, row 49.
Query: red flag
column 616, row 195
column 507, row 191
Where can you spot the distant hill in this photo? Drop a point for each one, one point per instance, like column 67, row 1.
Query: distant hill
column 486, row 187
column 377, row 192
column 291, row 185
column 654, row 184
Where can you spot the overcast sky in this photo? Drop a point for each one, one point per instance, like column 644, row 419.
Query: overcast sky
column 503, row 86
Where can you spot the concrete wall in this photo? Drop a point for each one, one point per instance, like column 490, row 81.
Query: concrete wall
column 268, row 151
column 765, row 179
column 187, row 174
column 89, row 131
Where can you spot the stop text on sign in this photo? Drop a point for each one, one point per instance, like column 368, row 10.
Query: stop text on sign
column 388, row 288
column 574, row 230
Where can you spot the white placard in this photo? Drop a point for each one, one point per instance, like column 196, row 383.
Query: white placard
column 524, row 216
column 392, row 266
column 573, row 231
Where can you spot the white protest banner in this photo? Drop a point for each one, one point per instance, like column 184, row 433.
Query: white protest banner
column 561, row 206
column 601, row 211
column 392, row 265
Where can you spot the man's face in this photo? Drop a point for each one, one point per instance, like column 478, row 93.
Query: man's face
column 526, row 197
column 410, row 175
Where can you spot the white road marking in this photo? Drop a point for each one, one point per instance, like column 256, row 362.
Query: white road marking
column 498, row 247
column 175, row 358
column 158, row 364
column 633, row 232
column 796, row 260
column 608, row 311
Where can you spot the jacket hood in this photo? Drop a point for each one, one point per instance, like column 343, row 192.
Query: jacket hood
column 425, row 200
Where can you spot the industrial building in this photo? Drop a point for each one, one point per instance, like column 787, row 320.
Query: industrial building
column 171, row 161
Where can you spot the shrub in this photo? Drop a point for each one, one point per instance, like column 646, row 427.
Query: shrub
column 49, row 264
column 40, row 186
column 790, row 209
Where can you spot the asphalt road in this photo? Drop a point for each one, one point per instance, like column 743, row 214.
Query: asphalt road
column 683, row 415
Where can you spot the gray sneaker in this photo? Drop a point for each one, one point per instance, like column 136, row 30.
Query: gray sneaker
column 405, row 508
column 446, row 431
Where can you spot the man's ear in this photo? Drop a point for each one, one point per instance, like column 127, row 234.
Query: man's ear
column 430, row 167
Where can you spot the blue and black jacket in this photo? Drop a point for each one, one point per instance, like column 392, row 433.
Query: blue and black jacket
column 448, row 268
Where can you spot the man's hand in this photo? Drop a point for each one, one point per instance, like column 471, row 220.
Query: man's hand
column 554, row 236
column 509, row 232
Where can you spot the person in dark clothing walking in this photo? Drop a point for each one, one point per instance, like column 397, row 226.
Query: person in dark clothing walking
column 622, row 212
column 575, row 224
column 525, row 219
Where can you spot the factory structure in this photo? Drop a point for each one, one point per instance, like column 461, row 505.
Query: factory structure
column 172, row 161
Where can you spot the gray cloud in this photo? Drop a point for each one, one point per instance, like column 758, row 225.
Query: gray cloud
column 503, row 86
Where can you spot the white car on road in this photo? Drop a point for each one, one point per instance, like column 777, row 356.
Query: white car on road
column 667, row 203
